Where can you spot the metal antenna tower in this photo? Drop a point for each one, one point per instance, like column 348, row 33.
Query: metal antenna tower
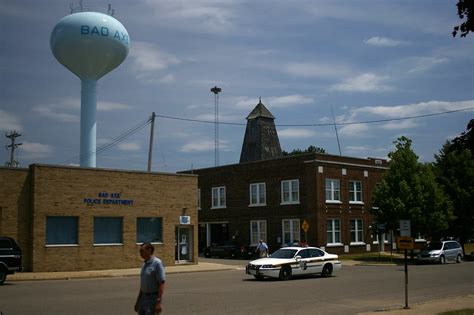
column 216, row 90
column 335, row 128
column 12, row 136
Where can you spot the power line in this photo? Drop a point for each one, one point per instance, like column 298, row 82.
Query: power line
column 126, row 134
column 322, row 124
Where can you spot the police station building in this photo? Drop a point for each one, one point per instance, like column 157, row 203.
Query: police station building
column 70, row 218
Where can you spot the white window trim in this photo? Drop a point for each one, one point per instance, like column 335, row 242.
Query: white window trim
column 61, row 245
column 333, row 232
column 357, row 243
column 334, row 244
column 291, row 229
column 291, row 202
column 108, row 244
column 154, row 243
column 259, row 232
column 359, row 202
column 219, row 197
column 258, row 204
column 332, row 190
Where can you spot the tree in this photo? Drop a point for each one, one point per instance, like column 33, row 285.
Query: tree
column 455, row 172
column 465, row 10
column 409, row 191
column 310, row 149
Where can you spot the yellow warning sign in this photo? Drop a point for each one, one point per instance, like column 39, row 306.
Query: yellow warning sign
column 405, row 242
column 305, row 226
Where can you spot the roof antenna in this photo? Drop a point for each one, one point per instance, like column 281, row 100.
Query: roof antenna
column 335, row 128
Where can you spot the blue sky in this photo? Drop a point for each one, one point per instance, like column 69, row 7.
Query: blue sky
column 369, row 60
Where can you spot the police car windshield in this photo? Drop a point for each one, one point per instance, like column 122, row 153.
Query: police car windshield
column 284, row 253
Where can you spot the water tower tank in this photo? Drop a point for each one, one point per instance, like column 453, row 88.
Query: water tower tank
column 89, row 44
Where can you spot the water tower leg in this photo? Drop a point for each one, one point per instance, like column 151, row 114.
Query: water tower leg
column 88, row 123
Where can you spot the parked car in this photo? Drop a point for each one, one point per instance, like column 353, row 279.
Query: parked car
column 229, row 249
column 441, row 252
column 290, row 261
column 10, row 257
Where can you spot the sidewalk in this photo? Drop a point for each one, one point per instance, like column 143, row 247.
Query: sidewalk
column 67, row 275
column 430, row 307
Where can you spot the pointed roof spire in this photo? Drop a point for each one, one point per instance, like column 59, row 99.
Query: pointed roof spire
column 261, row 139
column 260, row 111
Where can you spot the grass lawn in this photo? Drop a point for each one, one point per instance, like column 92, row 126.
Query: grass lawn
column 466, row 311
column 382, row 258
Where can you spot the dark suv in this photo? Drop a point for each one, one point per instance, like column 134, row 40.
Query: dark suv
column 10, row 257
column 229, row 249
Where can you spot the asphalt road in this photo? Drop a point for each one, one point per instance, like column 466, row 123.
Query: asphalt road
column 354, row 289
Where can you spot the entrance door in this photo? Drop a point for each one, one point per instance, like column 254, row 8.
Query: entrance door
column 184, row 244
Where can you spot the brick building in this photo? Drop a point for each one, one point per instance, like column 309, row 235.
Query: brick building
column 267, row 196
column 69, row 218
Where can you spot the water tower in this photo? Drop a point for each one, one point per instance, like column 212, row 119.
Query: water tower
column 89, row 44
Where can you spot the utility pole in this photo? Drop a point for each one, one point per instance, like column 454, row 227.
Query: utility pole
column 150, row 147
column 12, row 136
column 216, row 90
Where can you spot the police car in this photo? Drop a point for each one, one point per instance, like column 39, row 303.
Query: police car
column 291, row 261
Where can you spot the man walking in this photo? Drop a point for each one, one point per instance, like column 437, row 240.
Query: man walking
column 152, row 282
column 262, row 248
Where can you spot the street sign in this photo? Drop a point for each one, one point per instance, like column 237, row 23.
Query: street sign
column 305, row 226
column 405, row 242
column 405, row 228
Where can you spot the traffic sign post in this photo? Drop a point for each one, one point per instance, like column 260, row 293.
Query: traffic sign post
column 305, row 227
column 405, row 242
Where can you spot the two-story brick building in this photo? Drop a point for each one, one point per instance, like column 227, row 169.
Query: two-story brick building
column 314, row 198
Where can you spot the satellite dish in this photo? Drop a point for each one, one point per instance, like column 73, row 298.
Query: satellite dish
column 90, row 45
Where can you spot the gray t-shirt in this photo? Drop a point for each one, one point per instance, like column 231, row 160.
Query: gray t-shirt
column 152, row 274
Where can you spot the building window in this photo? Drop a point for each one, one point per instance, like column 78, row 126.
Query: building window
column 108, row 230
column 355, row 192
column 150, row 230
column 258, row 231
column 290, row 191
column 199, row 199
column 333, row 231
column 291, row 231
column 356, row 231
column 258, row 194
column 333, row 190
column 218, row 197
column 62, row 230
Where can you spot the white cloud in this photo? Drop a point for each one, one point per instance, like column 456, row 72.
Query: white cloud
column 403, row 124
column 204, row 16
column 296, row 133
column 414, row 109
column 289, row 101
column 148, row 61
column 356, row 130
column 55, row 112
column 111, row 106
column 421, row 64
column 273, row 101
column 384, row 42
column 32, row 150
column 202, row 146
column 129, row 146
column 9, row 121
column 167, row 79
column 367, row 82
column 314, row 70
